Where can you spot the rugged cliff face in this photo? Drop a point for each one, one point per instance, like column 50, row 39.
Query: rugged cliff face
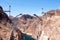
column 44, row 27
column 8, row 32
column 50, row 28
column 47, row 29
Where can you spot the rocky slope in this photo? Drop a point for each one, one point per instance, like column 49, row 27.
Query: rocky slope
column 47, row 29
column 44, row 27
column 8, row 32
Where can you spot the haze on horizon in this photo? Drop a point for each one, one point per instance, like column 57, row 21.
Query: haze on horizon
column 29, row 6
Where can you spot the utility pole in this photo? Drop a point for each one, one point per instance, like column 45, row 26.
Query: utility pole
column 42, row 10
column 9, row 10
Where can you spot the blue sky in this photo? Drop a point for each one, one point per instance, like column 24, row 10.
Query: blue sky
column 29, row 6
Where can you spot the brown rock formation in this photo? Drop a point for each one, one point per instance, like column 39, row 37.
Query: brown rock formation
column 49, row 30
column 52, row 13
column 7, row 34
column 5, row 28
